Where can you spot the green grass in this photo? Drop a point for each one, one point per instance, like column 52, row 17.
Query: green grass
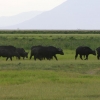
column 50, row 80
column 65, row 79
column 64, row 41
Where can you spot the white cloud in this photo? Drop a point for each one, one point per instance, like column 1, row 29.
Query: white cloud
column 12, row 7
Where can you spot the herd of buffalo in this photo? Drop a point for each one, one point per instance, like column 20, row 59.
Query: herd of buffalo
column 45, row 52
column 39, row 52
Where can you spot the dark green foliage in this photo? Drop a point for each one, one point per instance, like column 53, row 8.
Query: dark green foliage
column 64, row 41
column 50, row 32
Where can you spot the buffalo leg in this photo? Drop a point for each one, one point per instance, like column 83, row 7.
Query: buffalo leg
column 81, row 57
column 86, row 57
column 30, row 56
column 98, row 57
column 34, row 58
column 55, row 57
column 76, row 56
column 9, row 57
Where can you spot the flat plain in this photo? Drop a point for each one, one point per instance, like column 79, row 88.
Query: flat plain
column 65, row 79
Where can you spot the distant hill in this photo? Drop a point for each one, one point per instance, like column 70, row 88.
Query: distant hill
column 72, row 14
column 16, row 19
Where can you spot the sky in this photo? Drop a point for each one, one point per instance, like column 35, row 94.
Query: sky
column 14, row 7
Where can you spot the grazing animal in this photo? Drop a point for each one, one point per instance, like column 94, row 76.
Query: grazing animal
column 84, row 51
column 45, row 52
column 8, row 52
column 5, row 53
column 98, row 53
column 52, row 51
column 35, row 52
column 22, row 52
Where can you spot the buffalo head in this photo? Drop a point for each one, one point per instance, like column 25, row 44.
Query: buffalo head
column 26, row 54
column 94, row 52
column 60, row 51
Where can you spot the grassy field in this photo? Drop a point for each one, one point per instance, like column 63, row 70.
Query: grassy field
column 50, row 80
column 65, row 79
column 64, row 41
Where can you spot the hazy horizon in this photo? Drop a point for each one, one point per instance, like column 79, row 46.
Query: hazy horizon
column 71, row 14
column 14, row 7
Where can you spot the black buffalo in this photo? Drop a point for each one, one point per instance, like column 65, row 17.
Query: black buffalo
column 45, row 52
column 22, row 52
column 84, row 51
column 8, row 52
column 9, row 47
column 35, row 52
column 5, row 53
column 98, row 53
column 52, row 51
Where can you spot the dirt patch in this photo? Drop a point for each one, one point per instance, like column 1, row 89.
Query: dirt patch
column 93, row 71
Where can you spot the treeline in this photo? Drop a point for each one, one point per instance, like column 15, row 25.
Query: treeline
column 49, row 31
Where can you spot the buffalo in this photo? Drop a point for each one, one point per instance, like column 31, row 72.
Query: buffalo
column 22, row 52
column 35, row 52
column 45, row 52
column 98, row 53
column 52, row 51
column 8, row 52
column 5, row 53
column 84, row 51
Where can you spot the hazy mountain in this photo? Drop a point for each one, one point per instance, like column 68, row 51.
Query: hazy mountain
column 16, row 19
column 72, row 14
